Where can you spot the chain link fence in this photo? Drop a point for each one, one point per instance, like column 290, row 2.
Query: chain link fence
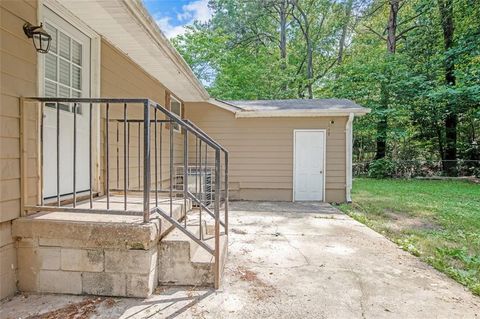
column 416, row 168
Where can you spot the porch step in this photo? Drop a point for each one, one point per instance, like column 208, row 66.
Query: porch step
column 182, row 262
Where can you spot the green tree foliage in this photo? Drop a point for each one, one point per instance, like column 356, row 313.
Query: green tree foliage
column 275, row 49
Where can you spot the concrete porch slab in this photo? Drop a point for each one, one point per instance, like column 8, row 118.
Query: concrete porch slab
column 99, row 230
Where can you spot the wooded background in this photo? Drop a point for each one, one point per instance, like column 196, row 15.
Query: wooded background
column 415, row 63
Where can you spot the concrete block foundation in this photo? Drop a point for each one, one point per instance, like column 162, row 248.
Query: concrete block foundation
column 105, row 255
column 82, row 270
column 77, row 253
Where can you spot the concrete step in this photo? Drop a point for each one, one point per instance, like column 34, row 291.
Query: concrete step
column 183, row 262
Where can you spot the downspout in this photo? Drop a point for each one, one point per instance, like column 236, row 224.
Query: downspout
column 349, row 151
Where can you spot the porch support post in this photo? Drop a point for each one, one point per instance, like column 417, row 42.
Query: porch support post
column 146, row 161
column 226, row 193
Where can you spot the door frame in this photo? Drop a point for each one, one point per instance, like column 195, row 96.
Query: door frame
column 95, row 66
column 324, row 131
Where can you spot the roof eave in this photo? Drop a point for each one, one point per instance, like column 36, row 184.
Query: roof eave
column 141, row 13
column 127, row 26
column 301, row 113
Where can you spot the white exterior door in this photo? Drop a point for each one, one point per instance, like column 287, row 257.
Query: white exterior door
column 66, row 74
column 309, row 165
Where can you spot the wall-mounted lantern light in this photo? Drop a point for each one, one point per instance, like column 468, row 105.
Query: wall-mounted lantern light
column 41, row 39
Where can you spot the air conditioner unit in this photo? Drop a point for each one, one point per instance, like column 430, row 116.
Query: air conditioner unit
column 200, row 182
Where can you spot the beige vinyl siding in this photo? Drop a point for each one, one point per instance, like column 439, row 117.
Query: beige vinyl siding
column 121, row 77
column 18, row 61
column 261, row 151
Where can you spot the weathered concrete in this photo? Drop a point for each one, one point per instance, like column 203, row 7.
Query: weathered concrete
column 81, row 253
column 297, row 261
column 182, row 262
column 80, row 270
column 75, row 259
column 105, row 284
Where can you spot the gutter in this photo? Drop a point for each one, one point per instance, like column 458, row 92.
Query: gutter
column 349, row 155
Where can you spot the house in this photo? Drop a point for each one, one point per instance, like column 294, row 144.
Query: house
column 117, row 166
column 283, row 149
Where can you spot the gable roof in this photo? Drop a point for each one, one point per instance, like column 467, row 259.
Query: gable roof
column 130, row 28
column 295, row 108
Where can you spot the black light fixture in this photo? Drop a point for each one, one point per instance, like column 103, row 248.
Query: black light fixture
column 41, row 39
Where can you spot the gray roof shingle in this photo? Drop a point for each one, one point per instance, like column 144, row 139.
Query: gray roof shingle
column 295, row 104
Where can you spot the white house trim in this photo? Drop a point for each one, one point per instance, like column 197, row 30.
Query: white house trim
column 127, row 25
column 139, row 11
column 301, row 113
column 95, row 67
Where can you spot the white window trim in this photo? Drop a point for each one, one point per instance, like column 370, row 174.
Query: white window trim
column 173, row 98
column 324, row 159
column 95, row 60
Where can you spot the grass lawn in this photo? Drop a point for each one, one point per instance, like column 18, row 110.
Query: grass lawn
column 439, row 221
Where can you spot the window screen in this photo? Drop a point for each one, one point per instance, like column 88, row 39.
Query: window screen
column 176, row 107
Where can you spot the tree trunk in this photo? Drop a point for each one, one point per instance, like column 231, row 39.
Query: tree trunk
column 305, row 27
column 392, row 27
column 309, row 67
column 382, row 124
column 283, row 39
column 341, row 46
column 441, row 150
column 283, row 34
column 451, row 120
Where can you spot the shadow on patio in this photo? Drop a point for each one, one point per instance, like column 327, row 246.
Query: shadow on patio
column 167, row 303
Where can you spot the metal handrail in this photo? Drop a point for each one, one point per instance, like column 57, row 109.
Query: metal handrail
column 201, row 138
column 91, row 101
column 226, row 154
column 86, row 100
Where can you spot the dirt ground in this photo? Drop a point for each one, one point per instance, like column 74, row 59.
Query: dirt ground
column 287, row 261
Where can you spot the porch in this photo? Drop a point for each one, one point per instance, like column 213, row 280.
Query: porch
column 110, row 196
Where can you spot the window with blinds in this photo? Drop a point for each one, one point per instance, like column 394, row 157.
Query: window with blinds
column 176, row 107
column 63, row 68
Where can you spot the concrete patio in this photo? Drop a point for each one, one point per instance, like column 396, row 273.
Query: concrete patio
column 288, row 260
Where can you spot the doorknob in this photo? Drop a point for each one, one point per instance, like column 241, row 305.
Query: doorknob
column 321, row 172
